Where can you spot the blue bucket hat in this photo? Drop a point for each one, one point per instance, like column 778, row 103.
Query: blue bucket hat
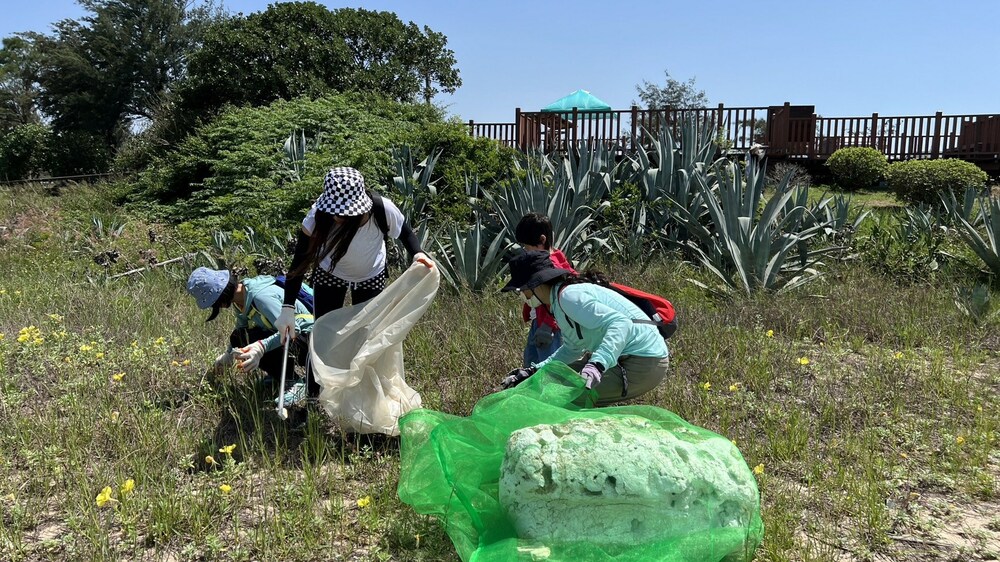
column 206, row 286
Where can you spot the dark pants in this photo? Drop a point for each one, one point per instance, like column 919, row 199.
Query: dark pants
column 331, row 297
column 270, row 363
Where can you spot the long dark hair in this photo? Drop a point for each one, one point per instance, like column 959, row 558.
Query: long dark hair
column 590, row 276
column 329, row 238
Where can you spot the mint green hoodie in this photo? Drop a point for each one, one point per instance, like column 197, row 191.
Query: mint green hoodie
column 605, row 321
column 263, row 305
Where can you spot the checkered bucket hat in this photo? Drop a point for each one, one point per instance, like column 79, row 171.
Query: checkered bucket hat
column 344, row 193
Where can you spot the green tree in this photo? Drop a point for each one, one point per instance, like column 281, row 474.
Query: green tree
column 107, row 72
column 18, row 87
column 674, row 94
column 302, row 48
column 435, row 63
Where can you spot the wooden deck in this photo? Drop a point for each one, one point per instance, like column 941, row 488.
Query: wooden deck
column 786, row 131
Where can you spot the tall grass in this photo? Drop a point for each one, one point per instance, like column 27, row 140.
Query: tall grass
column 861, row 397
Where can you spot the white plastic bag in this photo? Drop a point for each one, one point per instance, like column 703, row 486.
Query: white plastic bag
column 357, row 354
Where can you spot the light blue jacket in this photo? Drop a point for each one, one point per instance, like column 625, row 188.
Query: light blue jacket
column 605, row 323
column 263, row 305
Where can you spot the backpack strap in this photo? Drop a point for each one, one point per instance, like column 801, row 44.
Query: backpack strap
column 574, row 324
column 378, row 213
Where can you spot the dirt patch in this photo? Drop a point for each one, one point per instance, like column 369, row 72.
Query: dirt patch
column 945, row 529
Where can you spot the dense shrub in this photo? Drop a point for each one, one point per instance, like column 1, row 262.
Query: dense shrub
column 24, row 152
column 857, row 167
column 232, row 171
column 463, row 158
column 78, row 152
column 466, row 157
column 921, row 181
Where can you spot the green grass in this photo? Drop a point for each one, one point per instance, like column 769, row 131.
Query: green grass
column 871, row 450
column 871, row 199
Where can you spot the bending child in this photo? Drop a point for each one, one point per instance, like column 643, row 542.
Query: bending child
column 534, row 233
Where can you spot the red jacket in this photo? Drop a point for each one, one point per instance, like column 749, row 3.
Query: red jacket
column 541, row 313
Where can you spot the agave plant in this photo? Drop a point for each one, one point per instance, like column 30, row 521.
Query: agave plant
column 665, row 175
column 295, row 153
column 747, row 252
column 988, row 248
column 575, row 229
column 965, row 209
column 975, row 302
column 472, row 258
column 413, row 181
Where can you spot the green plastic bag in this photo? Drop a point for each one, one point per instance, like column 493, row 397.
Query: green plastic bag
column 454, row 467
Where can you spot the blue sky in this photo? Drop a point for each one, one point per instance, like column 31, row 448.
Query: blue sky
column 846, row 57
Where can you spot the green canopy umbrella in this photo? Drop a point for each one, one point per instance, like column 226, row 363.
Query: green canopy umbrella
column 582, row 100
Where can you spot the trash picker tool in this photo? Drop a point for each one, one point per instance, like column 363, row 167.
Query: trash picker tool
column 282, row 412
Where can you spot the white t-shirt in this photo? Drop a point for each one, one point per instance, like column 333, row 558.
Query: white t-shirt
column 365, row 257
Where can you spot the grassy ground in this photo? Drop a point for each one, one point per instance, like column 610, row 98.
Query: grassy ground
column 870, row 402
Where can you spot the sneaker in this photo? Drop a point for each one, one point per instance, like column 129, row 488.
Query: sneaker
column 295, row 394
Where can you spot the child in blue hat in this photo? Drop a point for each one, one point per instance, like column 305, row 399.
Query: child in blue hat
column 257, row 303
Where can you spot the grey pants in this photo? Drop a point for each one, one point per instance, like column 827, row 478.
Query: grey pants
column 631, row 377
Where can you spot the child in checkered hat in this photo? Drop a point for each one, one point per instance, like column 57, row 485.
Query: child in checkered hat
column 343, row 242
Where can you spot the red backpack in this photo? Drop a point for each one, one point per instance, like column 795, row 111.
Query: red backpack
column 660, row 311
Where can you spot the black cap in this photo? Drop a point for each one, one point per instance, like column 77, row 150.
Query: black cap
column 531, row 269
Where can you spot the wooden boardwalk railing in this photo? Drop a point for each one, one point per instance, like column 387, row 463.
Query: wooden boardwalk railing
column 787, row 131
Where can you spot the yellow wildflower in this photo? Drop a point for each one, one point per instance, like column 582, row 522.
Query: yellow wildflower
column 979, row 409
column 17, row 292
column 803, row 361
column 115, row 415
column 226, row 488
column 160, row 341
column 3, row 291
column 706, row 386
column 209, row 459
column 175, row 364
column 898, row 355
column 734, row 387
column 99, row 355
column 759, row 469
column 86, row 347
column 128, row 486
column 770, row 333
column 904, row 455
column 363, row 502
column 135, row 344
column 960, row 440
column 186, row 362
column 55, row 317
column 117, row 377
column 68, row 359
column 104, row 497
column 228, row 449
column 2, row 336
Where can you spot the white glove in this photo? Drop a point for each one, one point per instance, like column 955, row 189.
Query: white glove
column 286, row 322
column 424, row 259
column 250, row 356
column 224, row 361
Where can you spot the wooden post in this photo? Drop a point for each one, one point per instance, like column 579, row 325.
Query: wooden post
column 517, row 127
column 635, row 127
column 576, row 114
column 936, row 146
column 722, row 116
column 874, row 134
column 472, row 128
column 812, row 145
